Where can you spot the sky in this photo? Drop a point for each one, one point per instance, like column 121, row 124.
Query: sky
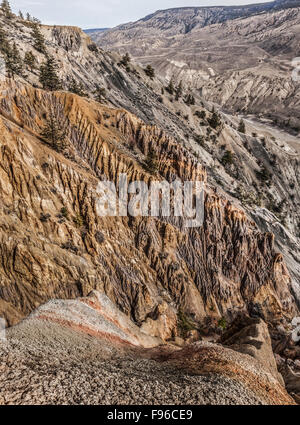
column 105, row 13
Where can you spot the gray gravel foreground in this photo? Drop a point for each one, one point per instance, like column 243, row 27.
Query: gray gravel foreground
column 55, row 365
column 116, row 381
column 44, row 361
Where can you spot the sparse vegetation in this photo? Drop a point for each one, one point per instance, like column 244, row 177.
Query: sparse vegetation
column 44, row 217
column 69, row 245
column 149, row 71
column 6, row 9
column 179, row 91
column 222, row 324
column 242, row 127
column 64, row 213
column 78, row 220
column 125, row 61
column 55, row 132
column 189, row 99
column 100, row 94
column 199, row 139
column 151, row 162
column 76, row 88
column 39, row 39
column 200, row 114
column 48, row 75
column 228, row 158
column 184, row 323
column 264, row 175
column 170, row 87
column 30, row 61
column 214, row 121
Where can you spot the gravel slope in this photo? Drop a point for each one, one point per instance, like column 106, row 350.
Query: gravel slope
column 44, row 361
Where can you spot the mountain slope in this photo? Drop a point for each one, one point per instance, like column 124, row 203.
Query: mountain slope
column 65, row 250
column 99, row 306
column 228, row 265
column 241, row 63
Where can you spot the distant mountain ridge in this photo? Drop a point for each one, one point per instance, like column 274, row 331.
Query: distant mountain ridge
column 92, row 30
column 194, row 17
column 240, row 57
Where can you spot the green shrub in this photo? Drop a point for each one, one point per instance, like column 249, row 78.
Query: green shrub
column 222, row 323
column 184, row 323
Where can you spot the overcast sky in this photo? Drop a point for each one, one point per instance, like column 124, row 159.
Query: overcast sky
column 104, row 13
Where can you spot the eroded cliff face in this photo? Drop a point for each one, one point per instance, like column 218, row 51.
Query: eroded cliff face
column 273, row 205
column 54, row 244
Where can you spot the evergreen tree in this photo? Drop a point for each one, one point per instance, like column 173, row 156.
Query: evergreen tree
column 149, row 71
column 125, row 60
column 6, row 9
column 100, row 94
column 76, row 88
column 21, row 16
column 151, row 162
column 214, row 121
column 28, row 17
column 13, row 60
column 242, row 127
column 179, row 91
column 228, row 158
column 170, row 88
column 30, row 61
column 48, row 76
column 54, row 132
column 3, row 41
column 190, row 99
column 39, row 39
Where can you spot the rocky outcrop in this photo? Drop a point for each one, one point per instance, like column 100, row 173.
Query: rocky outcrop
column 94, row 315
column 251, row 336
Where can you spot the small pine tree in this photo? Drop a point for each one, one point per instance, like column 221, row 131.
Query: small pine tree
column 76, row 88
column 30, row 61
column 228, row 158
column 190, row 99
column 36, row 21
column 54, row 132
column 242, row 127
column 126, row 59
column 264, row 175
column 21, row 16
column 39, row 39
column 214, row 121
column 222, row 324
column 149, row 71
column 3, row 41
column 48, row 76
column 6, row 9
column 170, row 87
column 28, row 17
column 100, row 94
column 151, row 162
column 13, row 60
column 179, row 91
